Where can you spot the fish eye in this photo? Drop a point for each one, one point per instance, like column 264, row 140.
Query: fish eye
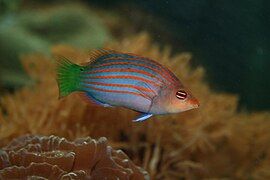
column 81, row 69
column 181, row 94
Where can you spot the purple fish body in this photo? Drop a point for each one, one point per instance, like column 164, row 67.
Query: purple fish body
column 127, row 80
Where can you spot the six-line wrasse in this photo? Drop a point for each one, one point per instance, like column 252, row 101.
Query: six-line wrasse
column 113, row 78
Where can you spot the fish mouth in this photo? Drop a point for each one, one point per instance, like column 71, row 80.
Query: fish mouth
column 194, row 102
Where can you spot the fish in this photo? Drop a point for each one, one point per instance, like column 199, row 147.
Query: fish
column 115, row 79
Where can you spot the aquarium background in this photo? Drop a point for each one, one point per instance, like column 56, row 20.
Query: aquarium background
column 220, row 50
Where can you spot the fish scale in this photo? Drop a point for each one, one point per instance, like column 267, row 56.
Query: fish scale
column 113, row 78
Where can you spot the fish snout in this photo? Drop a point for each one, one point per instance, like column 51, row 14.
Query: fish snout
column 194, row 102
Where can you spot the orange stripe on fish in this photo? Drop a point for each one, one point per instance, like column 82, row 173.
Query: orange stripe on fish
column 145, row 60
column 118, row 91
column 136, row 64
column 124, row 70
column 125, row 77
column 141, row 83
column 121, row 85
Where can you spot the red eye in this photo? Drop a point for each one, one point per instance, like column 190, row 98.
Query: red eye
column 181, row 95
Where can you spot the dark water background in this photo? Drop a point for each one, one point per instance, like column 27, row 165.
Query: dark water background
column 230, row 39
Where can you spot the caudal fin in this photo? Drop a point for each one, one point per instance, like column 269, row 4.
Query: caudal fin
column 68, row 76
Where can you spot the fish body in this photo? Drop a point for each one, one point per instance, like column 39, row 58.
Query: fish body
column 113, row 78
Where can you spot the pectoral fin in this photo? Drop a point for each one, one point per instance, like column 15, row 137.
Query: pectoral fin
column 142, row 117
column 148, row 92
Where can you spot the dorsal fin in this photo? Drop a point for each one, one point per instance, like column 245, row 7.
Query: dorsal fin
column 95, row 54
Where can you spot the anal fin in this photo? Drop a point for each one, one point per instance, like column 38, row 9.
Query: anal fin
column 87, row 97
column 142, row 117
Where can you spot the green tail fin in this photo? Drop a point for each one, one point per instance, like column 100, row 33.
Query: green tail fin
column 68, row 76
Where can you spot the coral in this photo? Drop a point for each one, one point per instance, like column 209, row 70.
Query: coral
column 214, row 141
column 53, row 157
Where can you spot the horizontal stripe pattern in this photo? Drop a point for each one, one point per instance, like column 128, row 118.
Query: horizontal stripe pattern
column 126, row 80
column 166, row 72
column 123, row 72
column 125, row 77
column 121, row 86
column 147, row 64
column 118, row 91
